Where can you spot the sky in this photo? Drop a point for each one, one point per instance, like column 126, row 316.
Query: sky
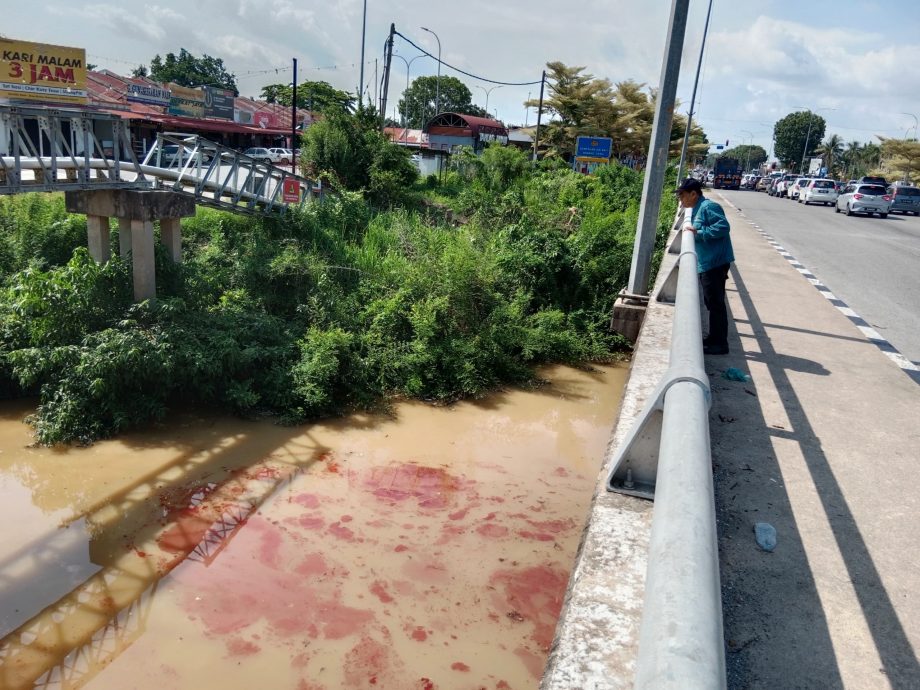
column 856, row 63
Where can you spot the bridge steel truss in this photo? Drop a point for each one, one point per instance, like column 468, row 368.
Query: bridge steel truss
column 50, row 150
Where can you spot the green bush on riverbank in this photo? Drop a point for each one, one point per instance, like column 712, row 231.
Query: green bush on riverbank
column 334, row 307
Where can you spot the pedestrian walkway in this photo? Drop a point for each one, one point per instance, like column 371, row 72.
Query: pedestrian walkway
column 822, row 443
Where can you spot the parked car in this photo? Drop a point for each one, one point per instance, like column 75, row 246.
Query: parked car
column 783, row 184
column 282, row 156
column 263, row 155
column 905, row 198
column 872, row 179
column 864, row 198
column 820, row 191
column 796, row 187
column 173, row 155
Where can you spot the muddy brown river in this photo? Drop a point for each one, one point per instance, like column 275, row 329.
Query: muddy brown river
column 426, row 549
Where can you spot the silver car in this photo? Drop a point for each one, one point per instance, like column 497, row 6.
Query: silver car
column 818, row 192
column 905, row 199
column 864, row 198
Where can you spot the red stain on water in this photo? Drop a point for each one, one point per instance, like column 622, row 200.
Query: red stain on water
column 337, row 530
column 186, row 533
column 239, row 647
column 419, row 634
column 502, row 685
column 237, row 592
column 366, row 662
column 432, row 488
column 492, row 530
column 536, row 536
column 459, row 514
column 400, row 548
column 460, row 666
column 269, row 550
column 426, row 571
column 307, row 500
column 313, row 564
column 378, row 589
column 533, row 593
column 561, row 472
column 533, row 662
column 312, row 523
column 346, row 518
column 425, row 684
column 554, row 526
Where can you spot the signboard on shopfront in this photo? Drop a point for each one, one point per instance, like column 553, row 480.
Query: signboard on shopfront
column 148, row 94
column 264, row 120
column 42, row 72
column 185, row 101
column 218, row 103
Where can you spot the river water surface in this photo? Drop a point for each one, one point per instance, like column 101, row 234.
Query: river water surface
column 426, row 549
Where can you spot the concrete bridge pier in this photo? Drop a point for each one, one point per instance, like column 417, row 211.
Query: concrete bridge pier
column 136, row 211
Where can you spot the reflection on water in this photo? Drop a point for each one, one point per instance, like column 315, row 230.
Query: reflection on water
column 430, row 549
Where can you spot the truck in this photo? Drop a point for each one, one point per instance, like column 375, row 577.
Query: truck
column 726, row 173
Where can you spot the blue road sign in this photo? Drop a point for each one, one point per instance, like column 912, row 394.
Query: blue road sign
column 593, row 147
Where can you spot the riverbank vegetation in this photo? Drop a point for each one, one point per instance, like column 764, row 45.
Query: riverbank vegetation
column 461, row 286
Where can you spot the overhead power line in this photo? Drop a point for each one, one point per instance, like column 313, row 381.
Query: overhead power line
column 469, row 74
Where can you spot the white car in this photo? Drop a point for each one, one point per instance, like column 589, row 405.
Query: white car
column 800, row 183
column 282, row 156
column 819, row 191
column 864, row 198
column 263, row 155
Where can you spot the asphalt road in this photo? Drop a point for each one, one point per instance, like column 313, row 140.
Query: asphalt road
column 872, row 264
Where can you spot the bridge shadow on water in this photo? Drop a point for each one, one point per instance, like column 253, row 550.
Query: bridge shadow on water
column 775, row 623
column 192, row 502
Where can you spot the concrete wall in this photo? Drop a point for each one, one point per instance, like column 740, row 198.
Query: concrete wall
column 597, row 635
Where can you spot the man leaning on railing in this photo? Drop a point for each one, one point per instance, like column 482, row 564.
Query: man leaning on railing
column 714, row 256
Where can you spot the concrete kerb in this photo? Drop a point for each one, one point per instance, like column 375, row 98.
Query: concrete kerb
column 597, row 636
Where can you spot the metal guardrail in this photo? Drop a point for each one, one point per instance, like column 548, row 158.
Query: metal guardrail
column 49, row 150
column 666, row 456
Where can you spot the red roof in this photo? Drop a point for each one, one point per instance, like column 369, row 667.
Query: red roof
column 461, row 121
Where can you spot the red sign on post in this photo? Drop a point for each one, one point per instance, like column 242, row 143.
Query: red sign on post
column 290, row 192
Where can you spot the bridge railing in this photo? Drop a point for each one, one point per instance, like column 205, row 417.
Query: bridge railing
column 666, row 457
column 48, row 149
column 221, row 176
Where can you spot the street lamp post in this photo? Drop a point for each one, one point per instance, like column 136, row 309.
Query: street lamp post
column 405, row 96
column 916, row 124
column 811, row 120
column 487, row 92
column 437, row 88
column 747, row 160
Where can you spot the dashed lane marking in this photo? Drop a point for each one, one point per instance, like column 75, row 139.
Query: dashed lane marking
column 873, row 336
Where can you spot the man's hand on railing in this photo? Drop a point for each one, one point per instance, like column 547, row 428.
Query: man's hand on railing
column 688, row 226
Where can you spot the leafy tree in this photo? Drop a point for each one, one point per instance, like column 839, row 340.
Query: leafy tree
column 185, row 69
column 902, row 158
column 140, row 71
column 418, row 101
column 315, row 96
column 351, row 152
column 749, row 156
column 797, row 135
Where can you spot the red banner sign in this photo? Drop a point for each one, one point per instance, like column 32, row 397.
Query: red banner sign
column 290, row 192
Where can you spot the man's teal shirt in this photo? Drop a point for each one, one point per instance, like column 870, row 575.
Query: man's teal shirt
column 713, row 245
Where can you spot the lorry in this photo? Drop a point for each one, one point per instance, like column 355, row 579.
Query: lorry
column 726, row 173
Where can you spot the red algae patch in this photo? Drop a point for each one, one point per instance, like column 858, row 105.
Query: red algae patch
column 237, row 647
column 460, row 666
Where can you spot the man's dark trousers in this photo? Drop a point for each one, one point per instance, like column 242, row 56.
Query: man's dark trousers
column 713, row 284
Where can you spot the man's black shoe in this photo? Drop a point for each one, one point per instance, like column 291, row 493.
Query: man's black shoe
column 715, row 350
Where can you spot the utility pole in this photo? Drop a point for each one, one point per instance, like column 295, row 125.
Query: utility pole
column 386, row 77
column 658, row 151
column 536, row 136
column 811, row 119
column 294, row 122
column 696, row 79
column 361, row 78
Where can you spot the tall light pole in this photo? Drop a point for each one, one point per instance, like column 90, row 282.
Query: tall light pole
column 699, row 65
column 811, row 121
column 747, row 161
column 361, row 78
column 437, row 88
column 916, row 124
column 527, row 110
column 406, row 97
column 487, row 92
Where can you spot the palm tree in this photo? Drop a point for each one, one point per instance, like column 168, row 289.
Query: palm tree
column 831, row 151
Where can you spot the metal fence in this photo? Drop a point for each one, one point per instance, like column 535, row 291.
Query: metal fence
column 666, row 457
